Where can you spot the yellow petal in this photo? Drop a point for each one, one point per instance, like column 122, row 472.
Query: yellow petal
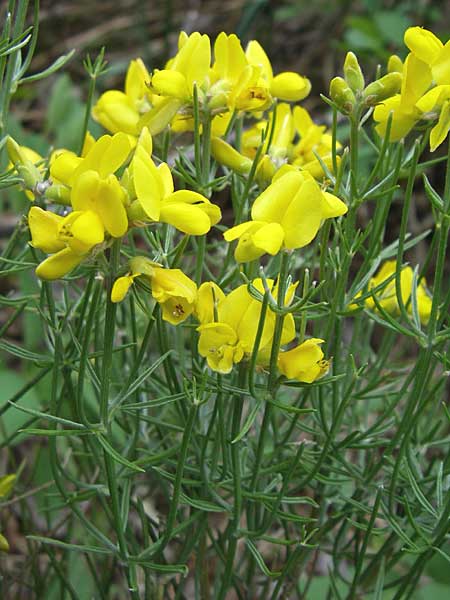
column 302, row 120
column 64, row 166
column 440, row 130
column 302, row 218
column 148, row 187
column 257, row 56
column 168, row 283
column 187, row 218
column 434, row 98
column 229, row 57
column 304, row 362
column 59, row 264
column 228, row 156
column 166, row 179
column 332, row 206
column 271, row 205
column 441, row 67
column 290, row 86
column 116, row 112
column 170, row 83
column 208, row 297
column 218, row 343
column 121, row 287
column 416, row 80
column 136, row 80
column 423, row 43
column 88, row 228
column 44, row 227
column 103, row 196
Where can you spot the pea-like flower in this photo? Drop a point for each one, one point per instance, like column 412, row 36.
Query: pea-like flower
column 387, row 296
column 305, row 362
column 122, row 111
column 174, row 291
column 288, row 214
column 67, row 239
column 92, row 181
column 229, row 324
column 188, row 211
column 288, row 86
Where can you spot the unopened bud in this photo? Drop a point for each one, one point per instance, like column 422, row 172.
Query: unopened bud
column 352, row 73
column 265, row 171
column 57, row 193
column 395, row 64
column 383, row 88
column 342, row 95
column 26, row 169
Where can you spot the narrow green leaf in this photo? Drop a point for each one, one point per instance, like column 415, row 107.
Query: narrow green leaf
column 116, row 456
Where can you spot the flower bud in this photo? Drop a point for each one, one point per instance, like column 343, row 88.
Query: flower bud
column 265, row 171
column 395, row 64
column 352, row 73
column 26, row 169
column 383, row 88
column 341, row 94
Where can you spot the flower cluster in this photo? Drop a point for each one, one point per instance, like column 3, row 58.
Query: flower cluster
column 236, row 80
column 105, row 205
column 425, row 89
column 284, row 162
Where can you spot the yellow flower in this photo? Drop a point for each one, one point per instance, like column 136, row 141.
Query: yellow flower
column 227, row 340
column 121, row 287
column 105, row 156
column 430, row 50
column 189, row 66
column 314, row 140
column 229, row 157
column 122, row 111
column 175, row 293
column 387, row 297
column 405, row 113
column 288, row 214
column 288, row 86
column 171, row 288
column 67, row 239
column 436, row 102
column 208, row 297
column 157, row 201
column 92, row 183
column 305, row 362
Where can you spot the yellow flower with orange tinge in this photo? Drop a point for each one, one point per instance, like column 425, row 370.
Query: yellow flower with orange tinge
column 229, row 324
column 288, row 214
